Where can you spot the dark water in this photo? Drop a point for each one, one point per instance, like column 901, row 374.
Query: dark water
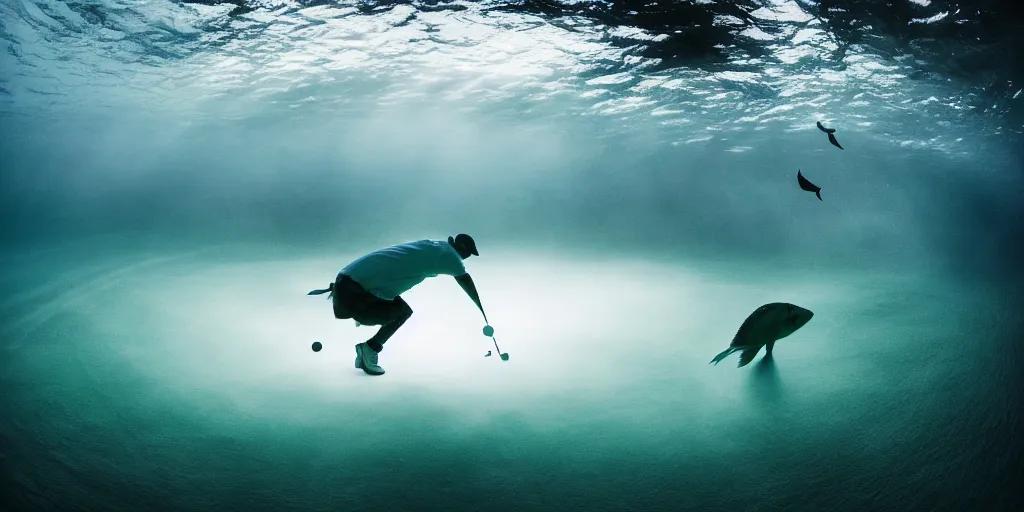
column 176, row 176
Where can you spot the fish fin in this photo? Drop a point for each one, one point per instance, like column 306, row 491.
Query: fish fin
column 832, row 138
column 722, row 355
column 747, row 356
column 818, row 193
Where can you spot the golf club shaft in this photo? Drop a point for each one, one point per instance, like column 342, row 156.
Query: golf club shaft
column 496, row 345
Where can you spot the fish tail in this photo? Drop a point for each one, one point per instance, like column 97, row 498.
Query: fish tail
column 725, row 353
column 818, row 193
column 747, row 356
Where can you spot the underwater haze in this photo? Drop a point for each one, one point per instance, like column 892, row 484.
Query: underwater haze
column 177, row 175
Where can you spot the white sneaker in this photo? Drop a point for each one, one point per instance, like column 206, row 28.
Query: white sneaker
column 366, row 360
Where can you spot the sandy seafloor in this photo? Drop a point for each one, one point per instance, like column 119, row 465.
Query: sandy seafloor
column 184, row 380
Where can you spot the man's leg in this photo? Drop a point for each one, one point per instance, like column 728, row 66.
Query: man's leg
column 390, row 315
column 396, row 314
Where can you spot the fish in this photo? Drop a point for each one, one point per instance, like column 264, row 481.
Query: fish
column 831, row 134
column 807, row 185
column 762, row 328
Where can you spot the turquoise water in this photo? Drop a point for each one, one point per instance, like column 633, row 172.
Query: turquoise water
column 176, row 177
column 182, row 383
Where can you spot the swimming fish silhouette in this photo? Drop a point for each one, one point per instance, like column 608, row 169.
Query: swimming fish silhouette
column 807, row 185
column 762, row 328
column 831, row 135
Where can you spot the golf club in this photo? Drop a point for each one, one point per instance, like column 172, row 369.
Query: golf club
column 489, row 331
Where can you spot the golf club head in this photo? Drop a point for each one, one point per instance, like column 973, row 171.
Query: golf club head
column 504, row 357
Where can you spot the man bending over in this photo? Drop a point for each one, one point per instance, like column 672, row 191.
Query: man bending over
column 369, row 289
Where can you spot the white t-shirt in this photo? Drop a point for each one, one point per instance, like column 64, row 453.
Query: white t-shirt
column 392, row 271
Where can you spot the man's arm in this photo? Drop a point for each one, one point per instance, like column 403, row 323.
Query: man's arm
column 466, row 282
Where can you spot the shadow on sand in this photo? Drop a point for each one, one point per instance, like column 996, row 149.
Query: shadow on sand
column 764, row 381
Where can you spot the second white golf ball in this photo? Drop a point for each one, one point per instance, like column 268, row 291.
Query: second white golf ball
column 488, row 330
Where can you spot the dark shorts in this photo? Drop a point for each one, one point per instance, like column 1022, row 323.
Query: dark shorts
column 351, row 300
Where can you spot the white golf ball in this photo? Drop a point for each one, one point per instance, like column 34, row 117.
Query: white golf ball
column 488, row 330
